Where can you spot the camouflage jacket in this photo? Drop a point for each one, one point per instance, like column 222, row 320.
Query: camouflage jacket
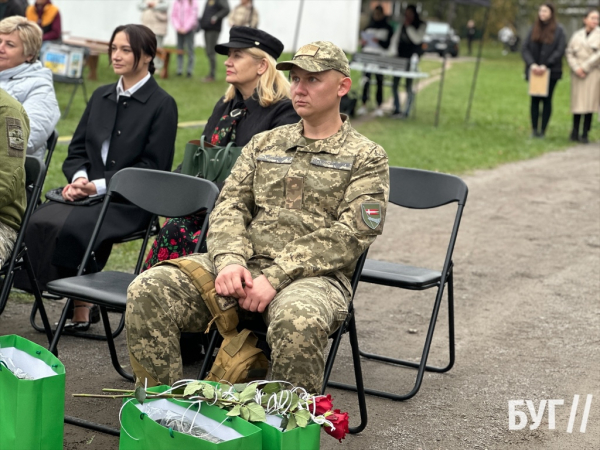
column 310, row 210
column 14, row 134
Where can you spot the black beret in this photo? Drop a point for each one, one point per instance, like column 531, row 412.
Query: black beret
column 246, row 37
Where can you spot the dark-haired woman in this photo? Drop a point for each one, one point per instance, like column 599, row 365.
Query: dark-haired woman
column 410, row 37
column 543, row 51
column 583, row 55
column 131, row 123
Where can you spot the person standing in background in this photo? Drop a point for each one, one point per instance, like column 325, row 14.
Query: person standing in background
column 583, row 56
column 543, row 50
column 47, row 16
column 470, row 34
column 10, row 8
column 410, row 39
column 185, row 20
column 210, row 22
column 375, row 39
column 155, row 17
column 244, row 15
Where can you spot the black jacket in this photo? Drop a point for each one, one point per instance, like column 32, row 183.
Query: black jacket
column 257, row 119
column 141, row 128
column 217, row 9
column 549, row 55
column 381, row 28
column 13, row 8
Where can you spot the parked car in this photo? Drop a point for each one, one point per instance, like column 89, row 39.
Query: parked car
column 440, row 38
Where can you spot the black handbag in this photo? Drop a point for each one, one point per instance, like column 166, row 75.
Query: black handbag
column 55, row 195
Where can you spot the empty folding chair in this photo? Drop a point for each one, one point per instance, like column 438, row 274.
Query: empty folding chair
column 419, row 189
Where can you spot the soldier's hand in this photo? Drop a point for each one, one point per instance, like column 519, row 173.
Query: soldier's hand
column 231, row 280
column 258, row 296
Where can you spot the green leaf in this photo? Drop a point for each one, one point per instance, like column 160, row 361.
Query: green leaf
column 284, row 422
column 302, row 417
column 248, row 393
column 193, row 387
column 235, row 411
column 291, row 423
column 140, row 394
column 271, row 388
column 245, row 412
column 257, row 413
column 208, row 391
column 239, row 387
column 295, row 401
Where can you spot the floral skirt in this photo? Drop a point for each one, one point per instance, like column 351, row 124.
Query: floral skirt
column 177, row 237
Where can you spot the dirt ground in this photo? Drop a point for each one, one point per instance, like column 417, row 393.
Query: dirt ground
column 527, row 276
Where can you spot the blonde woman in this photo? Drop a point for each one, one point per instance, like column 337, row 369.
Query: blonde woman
column 257, row 100
column 25, row 79
column 583, row 55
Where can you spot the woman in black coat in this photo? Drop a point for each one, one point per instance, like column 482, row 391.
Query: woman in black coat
column 257, row 100
column 132, row 123
column 543, row 50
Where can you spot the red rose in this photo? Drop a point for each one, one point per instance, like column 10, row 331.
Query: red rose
column 173, row 242
column 174, row 256
column 323, row 403
column 163, row 254
column 339, row 420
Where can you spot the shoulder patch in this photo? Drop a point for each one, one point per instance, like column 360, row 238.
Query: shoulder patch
column 276, row 159
column 307, row 50
column 371, row 214
column 14, row 136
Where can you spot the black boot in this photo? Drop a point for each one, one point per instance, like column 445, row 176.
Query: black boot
column 587, row 124
column 574, row 136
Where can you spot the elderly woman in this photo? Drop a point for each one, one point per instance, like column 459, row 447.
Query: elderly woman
column 24, row 77
column 583, row 55
column 131, row 123
column 257, row 100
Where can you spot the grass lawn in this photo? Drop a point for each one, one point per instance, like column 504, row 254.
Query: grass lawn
column 498, row 131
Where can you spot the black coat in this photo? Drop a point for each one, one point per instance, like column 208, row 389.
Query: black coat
column 13, row 8
column 142, row 130
column 549, row 55
column 257, row 119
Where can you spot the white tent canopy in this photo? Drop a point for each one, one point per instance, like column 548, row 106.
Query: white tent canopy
column 330, row 20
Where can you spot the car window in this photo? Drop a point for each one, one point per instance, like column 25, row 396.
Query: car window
column 437, row 28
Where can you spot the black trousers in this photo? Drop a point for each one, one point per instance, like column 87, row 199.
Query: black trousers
column 379, row 95
column 536, row 102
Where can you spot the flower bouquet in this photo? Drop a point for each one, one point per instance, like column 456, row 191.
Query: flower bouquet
column 290, row 418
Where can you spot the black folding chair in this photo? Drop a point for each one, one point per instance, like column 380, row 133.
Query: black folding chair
column 157, row 192
column 349, row 326
column 50, row 146
column 419, row 189
column 35, row 173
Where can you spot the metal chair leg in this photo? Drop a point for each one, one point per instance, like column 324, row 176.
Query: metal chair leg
column 38, row 300
column 208, row 355
column 360, row 390
column 422, row 366
column 111, row 346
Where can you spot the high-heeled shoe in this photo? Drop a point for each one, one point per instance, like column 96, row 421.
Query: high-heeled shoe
column 76, row 327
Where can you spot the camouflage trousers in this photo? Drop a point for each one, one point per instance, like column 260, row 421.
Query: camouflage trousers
column 162, row 302
column 8, row 236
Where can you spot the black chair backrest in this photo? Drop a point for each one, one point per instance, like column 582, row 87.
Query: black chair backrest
column 422, row 189
column 165, row 194
column 50, row 146
column 33, row 169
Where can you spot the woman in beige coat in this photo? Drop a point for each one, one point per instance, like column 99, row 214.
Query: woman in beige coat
column 583, row 55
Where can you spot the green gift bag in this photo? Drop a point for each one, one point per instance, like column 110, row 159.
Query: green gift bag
column 140, row 432
column 31, row 411
column 274, row 438
column 211, row 162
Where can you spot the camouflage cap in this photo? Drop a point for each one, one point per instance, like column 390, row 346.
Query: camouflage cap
column 318, row 56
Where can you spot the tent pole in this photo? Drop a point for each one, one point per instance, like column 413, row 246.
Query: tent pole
column 297, row 33
column 439, row 103
column 474, row 82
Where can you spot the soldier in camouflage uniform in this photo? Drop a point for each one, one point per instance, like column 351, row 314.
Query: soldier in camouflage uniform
column 303, row 202
column 14, row 134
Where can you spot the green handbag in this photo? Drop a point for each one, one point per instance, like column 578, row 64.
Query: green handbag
column 211, row 162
